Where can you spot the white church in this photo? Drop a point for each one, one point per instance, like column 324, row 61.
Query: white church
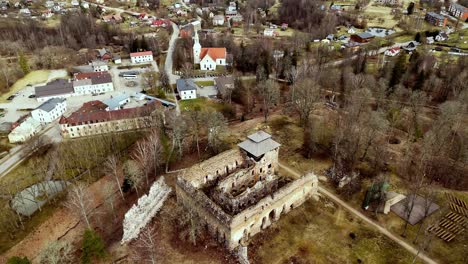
column 208, row 58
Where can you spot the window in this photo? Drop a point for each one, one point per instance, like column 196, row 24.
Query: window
column 269, row 166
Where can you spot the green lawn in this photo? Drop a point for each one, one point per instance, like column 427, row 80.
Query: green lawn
column 33, row 77
column 205, row 83
column 202, row 103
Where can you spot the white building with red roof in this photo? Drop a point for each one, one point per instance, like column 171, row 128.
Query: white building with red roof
column 392, row 52
column 141, row 57
column 208, row 58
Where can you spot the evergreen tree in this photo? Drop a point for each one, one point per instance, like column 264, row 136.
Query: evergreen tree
column 23, row 63
column 410, row 8
column 93, row 247
column 417, row 37
column 397, row 71
column 18, row 260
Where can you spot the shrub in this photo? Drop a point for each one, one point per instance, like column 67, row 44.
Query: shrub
column 18, row 260
column 93, row 247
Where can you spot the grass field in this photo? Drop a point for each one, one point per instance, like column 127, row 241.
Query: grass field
column 321, row 232
column 202, row 103
column 33, row 77
column 205, row 83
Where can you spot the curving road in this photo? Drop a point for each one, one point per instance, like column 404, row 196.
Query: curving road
column 366, row 219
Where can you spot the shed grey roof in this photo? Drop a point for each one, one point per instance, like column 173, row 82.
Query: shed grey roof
column 50, row 104
column 365, row 35
column 114, row 102
column 57, row 87
column 258, row 144
column 186, row 85
column 438, row 16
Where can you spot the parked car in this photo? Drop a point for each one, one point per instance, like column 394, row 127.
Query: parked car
column 438, row 48
column 10, row 97
column 32, row 96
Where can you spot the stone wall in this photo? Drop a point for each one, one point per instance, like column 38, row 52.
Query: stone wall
column 255, row 218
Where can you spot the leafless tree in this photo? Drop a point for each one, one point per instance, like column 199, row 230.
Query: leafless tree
column 155, row 149
column 113, row 167
column 142, row 155
column 269, row 93
column 150, row 79
column 306, row 94
column 109, row 191
column 146, row 247
column 133, row 172
column 216, row 125
column 80, row 202
column 57, row 252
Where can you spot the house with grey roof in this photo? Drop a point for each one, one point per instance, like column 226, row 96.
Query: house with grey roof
column 56, row 89
column 187, row 89
column 259, row 144
column 49, row 111
column 100, row 82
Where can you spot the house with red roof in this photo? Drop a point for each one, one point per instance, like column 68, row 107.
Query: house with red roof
column 93, row 118
column 208, row 58
column 393, row 51
column 140, row 57
column 160, row 23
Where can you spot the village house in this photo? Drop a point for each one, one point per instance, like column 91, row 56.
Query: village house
column 55, row 89
column 187, row 89
column 93, row 119
column 270, row 32
column 50, row 110
column 141, row 57
column 442, row 36
column 231, row 10
column 116, row 102
column 113, row 18
column 218, row 20
column 239, row 192
column 392, row 52
column 104, row 54
column 436, row 19
column 117, row 60
column 49, row 4
column 24, row 12
column 99, row 66
column 458, row 11
column 160, row 23
column 363, row 37
column 47, row 14
column 75, row 3
column 92, row 83
column 24, row 131
column 208, row 58
column 388, row 2
column 224, row 85
column 187, row 31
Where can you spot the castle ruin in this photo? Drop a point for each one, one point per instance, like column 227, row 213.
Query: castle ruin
column 239, row 192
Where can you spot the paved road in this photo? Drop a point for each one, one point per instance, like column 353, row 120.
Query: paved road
column 372, row 223
column 168, row 65
column 19, row 153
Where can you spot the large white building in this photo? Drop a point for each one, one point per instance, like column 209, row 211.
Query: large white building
column 140, row 57
column 55, row 89
column 208, row 58
column 187, row 89
column 24, row 131
column 93, row 83
column 50, row 110
column 99, row 66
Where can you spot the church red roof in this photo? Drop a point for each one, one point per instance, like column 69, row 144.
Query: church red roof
column 214, row 53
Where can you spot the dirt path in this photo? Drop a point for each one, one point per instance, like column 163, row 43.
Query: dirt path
column 372, row 223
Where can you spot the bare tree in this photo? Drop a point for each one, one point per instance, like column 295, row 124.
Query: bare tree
column 306, row 94
column 57, row 252
column 216, row 124
column 142, row 155
column 155, row 149
column 113, row 167
column 269, row 93
column 133, row 172
column 109, row 191
column 150, row 79
column 80, row 202
column 146, row 246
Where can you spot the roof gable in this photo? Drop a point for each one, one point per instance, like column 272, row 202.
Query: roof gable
column 214, row 53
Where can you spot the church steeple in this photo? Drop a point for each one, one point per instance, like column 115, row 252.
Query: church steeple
column 196, row 48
